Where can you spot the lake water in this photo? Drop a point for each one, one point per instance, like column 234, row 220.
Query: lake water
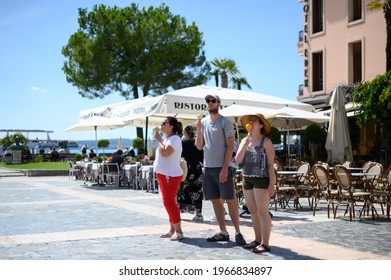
column 113, row 146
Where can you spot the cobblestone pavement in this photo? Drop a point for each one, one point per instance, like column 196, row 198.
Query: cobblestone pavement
column 53, row 218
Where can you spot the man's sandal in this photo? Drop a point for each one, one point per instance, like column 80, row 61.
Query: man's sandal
column 261, row 249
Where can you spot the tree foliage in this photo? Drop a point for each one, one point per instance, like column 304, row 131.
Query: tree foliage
column 386, row 6
column 374, row 100
column 224, row 67
column 239, row 81
column 103, row 143
column 124, row 50
column 275, row 135
column 315, row 134
column 138, row 143
column 7, row 141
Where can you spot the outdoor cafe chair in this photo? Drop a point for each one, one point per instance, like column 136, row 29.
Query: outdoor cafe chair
column 350, row 195
column 285, row 190
column 238, row 184
column 366, row 165
column 88, row 173
column 323, row 188
column 111, row 173
column 303, row 182
column 381, row 189
column 74, row 172
column 373, row 175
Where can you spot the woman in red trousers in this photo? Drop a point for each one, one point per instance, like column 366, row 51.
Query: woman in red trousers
column 169, row 172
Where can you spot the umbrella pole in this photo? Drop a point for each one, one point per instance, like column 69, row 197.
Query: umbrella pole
column 146, row 135
column 96, row 141
column 289, row 147
column 237, row 129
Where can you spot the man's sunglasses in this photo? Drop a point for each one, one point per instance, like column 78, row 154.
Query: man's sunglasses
column 211, row 100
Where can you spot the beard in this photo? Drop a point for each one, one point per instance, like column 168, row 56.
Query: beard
column 213, row 111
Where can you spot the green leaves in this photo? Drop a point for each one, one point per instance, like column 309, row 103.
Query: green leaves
column 374, row 100
column 122, row 50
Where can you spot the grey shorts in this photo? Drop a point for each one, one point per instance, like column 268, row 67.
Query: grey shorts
column 250, row 183
column 213, row 189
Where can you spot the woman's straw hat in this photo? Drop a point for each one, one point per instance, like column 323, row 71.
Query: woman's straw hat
column 261, row 118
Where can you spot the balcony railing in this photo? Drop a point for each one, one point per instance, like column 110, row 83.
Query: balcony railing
column 301, row 36
column 301, row 89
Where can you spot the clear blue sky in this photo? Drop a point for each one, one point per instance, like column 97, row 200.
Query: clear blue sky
column 260, row 35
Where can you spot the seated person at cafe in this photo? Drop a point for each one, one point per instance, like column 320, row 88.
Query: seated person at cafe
column 130, row 156
column 92, row 154
column 142, row 157
column 54, row 155
column 117, row 158
column 130, row 153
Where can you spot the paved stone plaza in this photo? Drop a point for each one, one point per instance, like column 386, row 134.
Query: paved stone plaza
column 54, row 218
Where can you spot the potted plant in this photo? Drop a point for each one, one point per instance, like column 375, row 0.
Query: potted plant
column 315, row 136
column 138, row 143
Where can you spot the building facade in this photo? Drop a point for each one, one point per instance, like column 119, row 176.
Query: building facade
column 342, row 43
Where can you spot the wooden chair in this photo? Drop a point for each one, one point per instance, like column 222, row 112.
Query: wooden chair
column 376, row 169
column 387, row 189
column 303, row 183
column 366, row 165
column 325, row 165
column 285, row 190
column 238, row 184
column 323, row 188
column 348, row 194
column 381, row 191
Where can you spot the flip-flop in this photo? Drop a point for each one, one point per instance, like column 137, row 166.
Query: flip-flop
column 261, row 249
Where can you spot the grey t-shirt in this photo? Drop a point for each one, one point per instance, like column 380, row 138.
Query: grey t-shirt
column 215, row 134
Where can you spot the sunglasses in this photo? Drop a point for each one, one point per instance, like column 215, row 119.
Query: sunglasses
column 211, row 100
column 165, row 122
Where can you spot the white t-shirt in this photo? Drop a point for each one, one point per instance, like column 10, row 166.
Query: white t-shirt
column 145, row 159
column 170, row 166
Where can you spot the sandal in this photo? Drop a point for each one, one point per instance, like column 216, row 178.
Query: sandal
column 261, row 249
column 252, row 245
column 177, row 236
column 166, row 235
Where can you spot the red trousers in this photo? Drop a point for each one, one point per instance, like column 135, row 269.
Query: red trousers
column 168, row 188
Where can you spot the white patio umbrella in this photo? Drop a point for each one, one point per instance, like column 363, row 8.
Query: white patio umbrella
column 338, row 144
column 186, row 104
column 291, row 118
column 235, row 111
column 96, row 123
column 120, row 143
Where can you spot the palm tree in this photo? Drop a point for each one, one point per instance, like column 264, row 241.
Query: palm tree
column 224, row 67
column 239, row 81
column 386, row 6
column 215, row 74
